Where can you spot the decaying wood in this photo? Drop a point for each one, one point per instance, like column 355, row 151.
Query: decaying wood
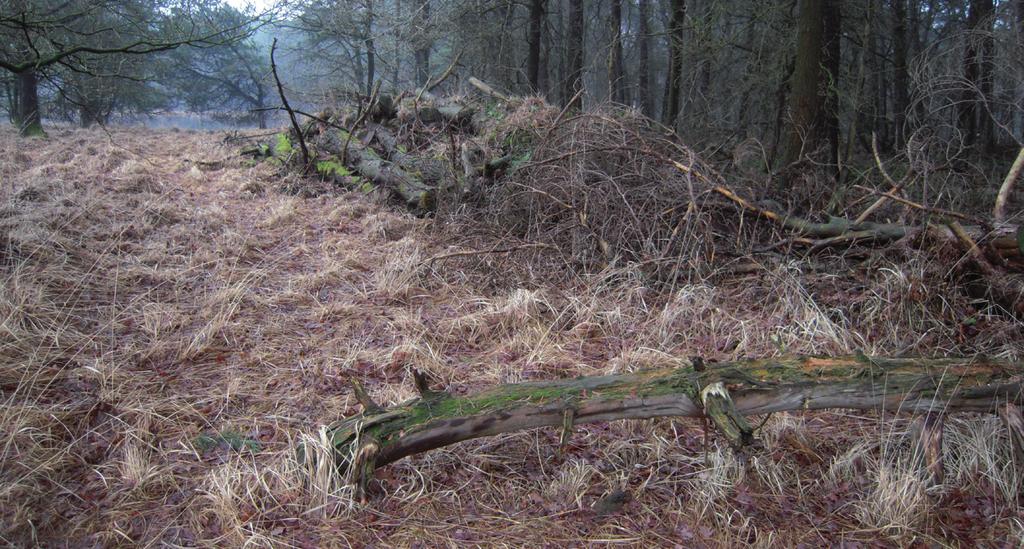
column 723, row 392
column 488, row 90
column 437, row 110
column 363, row 160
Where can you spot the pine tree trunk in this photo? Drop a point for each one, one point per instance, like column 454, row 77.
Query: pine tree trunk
column 533, row 43
column 973, row 120
column 832, row 59
column 674, row 82
column 806, row 103
column 901, row 80
column 616, row 78
column 643, row 76
column 574, row 50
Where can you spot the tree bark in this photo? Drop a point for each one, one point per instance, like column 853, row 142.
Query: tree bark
column 807, row 100
column 371, row 49
column 533, row 44
column 616, row 75
column 363, row 160
column 28, row 118
column 396, row 62
column 726, row 392
column 901, row 79
column 674, row 81
column 643, row 75
column 974, row 121
column 424, row 44
column 574, row 51
column 831, row 62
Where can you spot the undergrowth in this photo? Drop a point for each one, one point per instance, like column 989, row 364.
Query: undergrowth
column 170, row 333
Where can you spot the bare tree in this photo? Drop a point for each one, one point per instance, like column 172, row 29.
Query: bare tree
column 38, row 37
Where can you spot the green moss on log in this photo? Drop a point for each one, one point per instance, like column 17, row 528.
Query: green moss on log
column 745, row 387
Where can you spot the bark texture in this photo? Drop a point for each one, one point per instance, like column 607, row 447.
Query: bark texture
column 723, row 392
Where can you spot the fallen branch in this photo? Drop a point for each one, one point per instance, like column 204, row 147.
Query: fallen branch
column 999, row 212
column 722, row 392
column 488, row 90
column 894, row 186
column 486, row 252
column 915, row 205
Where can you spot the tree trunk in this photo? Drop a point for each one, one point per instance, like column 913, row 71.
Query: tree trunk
column 544, row 75
column 90, row 115
column 357, row 57
column 371, row 49
column 574, row 50
column 616, row 76
column 424, row 44
column 723, row 392
column 973, row 120
column 643, row 76
column 396, row 63
column 832, row 59
column 1018, row 113
column 11, row 94
column 674, row 81
column 28, row 118
column 533, row 44
column 901, row 80
column 807, row 101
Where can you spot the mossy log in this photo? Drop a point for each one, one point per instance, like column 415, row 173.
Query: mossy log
column 433, row 109
column 362, row 159
column 723, row 392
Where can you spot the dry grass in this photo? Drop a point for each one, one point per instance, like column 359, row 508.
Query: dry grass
column 169, row 336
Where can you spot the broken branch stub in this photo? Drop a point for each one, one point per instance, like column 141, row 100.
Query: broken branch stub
column 723, row 392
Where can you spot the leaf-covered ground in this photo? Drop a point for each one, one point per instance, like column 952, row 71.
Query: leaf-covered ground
column 174, row 321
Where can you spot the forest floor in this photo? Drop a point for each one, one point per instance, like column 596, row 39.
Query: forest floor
column 172, row 324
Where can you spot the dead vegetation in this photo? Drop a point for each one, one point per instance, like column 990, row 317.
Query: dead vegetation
column 171, row 331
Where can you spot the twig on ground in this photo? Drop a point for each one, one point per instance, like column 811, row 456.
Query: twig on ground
column 490, row 251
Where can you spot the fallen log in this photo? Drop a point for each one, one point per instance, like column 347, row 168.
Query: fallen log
column 362, row 159
column 723, row 393
column 436, row 110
